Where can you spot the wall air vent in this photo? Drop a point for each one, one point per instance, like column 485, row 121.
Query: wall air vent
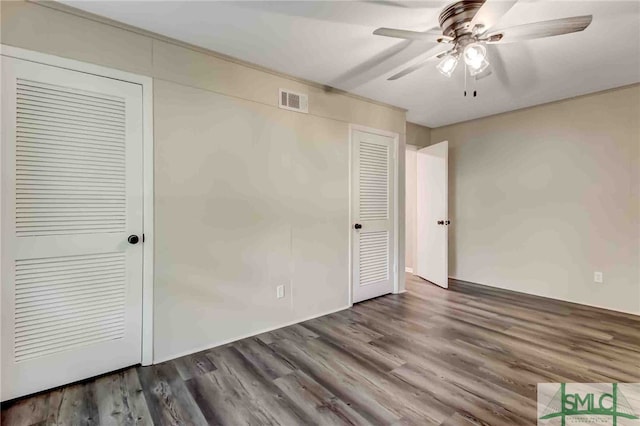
column 293, row 101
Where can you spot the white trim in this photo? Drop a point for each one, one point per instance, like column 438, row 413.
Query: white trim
column 147, row 117
column 606, row 308
column 350, row 221
column 396, row 145
column 409, row 270
column 148, row 224
column 246, row 336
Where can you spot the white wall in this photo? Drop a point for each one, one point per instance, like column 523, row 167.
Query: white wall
column 417, row 136
column 410, row 206
column 248, row 196
column 543, row 197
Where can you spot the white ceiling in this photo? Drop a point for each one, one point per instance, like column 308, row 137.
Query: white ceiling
column 331, row 43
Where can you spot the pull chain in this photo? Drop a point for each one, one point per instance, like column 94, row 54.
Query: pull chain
column 473, row 83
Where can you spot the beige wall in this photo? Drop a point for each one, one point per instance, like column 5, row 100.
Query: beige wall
column 418, row 135
column 247, row 196
column 543, row 197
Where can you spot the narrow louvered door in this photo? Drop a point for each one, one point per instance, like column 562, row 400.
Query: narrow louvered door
column 372, row 211
column 71, row 194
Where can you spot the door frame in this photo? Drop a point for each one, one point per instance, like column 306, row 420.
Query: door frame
column 147, row 172
column 394, row 150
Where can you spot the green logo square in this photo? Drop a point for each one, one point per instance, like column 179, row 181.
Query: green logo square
column 616, row 404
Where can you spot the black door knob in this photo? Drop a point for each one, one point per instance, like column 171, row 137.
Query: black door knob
column 441, row 222
column 133, row 239
column 357, row 226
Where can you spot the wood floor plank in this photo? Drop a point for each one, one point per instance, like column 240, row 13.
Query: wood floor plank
column 294, row 332
column 193, row 365
column 76, row 404
column 264, row 358
column 168, row 399
column 223, row 400
column 344, row 386
column 121, row 400
column 349, row 332
column 317, row 402
column 469, row 355
column 27, row 411
column 472, row 405
column 405, row 402
column 256, row 388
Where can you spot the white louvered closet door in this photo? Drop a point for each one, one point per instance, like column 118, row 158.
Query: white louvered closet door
column 71, row 195
column 373, row 224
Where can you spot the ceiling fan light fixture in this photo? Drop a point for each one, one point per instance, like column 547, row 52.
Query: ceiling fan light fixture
column 478, row 67
column 447, row 65
column 474, row 54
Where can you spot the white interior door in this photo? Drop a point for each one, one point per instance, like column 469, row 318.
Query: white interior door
column 71, row 285
column 373, row 214
column 432, row 260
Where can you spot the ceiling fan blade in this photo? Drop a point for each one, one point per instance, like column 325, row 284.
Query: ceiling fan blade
column 382, row 64
column 409, row 4
column 490, row 13
column 540, row 29
column 420, row 64
column 431, row 35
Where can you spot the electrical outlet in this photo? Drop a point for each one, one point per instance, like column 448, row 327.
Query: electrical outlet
column 597, row 277
column 280, row 291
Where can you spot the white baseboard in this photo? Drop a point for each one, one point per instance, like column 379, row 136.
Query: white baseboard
column 244, row 336
column 409, row 270
column 568, row 300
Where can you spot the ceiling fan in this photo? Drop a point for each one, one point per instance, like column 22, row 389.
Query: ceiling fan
column 465, row 25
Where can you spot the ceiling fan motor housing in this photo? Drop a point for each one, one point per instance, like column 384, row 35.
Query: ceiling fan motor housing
column 455, row 19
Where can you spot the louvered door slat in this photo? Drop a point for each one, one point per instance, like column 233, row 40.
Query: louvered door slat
column 69, row 158
column 60, row 96
column 52, row 140
column 70, row 320
column 78, row 116
column 71, row 314
column 28, row 150
column 70, row 110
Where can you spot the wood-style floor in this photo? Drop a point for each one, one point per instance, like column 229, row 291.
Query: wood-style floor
column 467, row 355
